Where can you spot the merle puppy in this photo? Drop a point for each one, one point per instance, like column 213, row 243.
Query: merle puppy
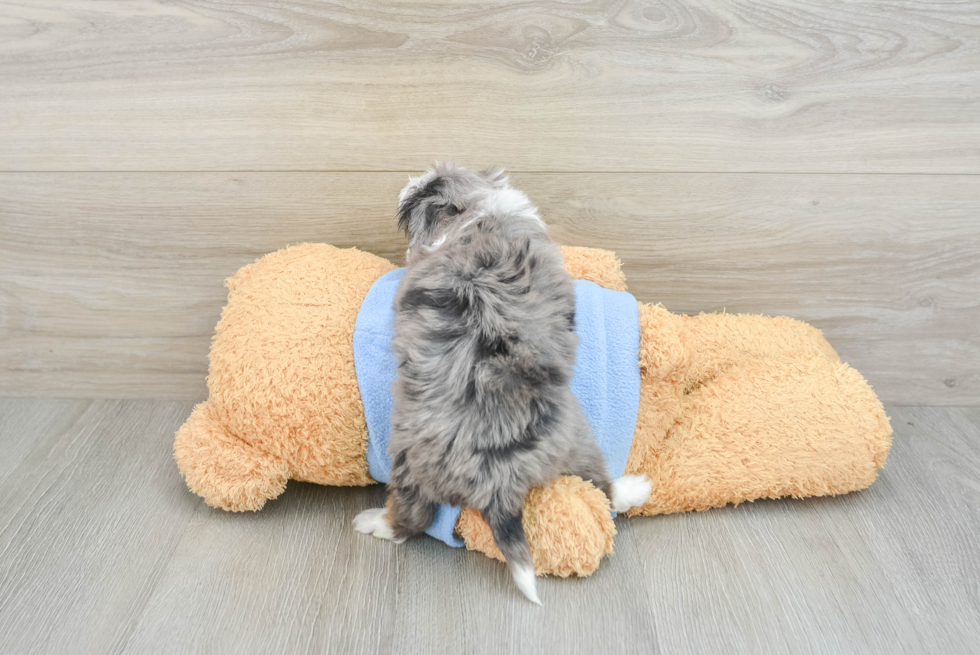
column 485, row 343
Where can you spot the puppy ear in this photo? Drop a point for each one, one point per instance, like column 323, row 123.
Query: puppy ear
column 412, row 203
column 492, row 174
column 405, row 209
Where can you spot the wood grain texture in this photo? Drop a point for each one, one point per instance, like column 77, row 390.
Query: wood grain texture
column 609, row 85
column 88, row 518
column 103, row 550
column 111, row 284
column 891, row 569
column 28, row 422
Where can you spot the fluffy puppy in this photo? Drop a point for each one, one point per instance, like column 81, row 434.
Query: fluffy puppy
column 485, row 343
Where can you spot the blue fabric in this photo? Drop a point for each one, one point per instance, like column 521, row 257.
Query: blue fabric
column 606, row 377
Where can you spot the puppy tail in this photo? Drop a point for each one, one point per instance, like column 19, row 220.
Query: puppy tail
column 508, row 532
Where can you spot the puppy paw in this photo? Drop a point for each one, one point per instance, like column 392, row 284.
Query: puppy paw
column 630, row 491
column 375, row 522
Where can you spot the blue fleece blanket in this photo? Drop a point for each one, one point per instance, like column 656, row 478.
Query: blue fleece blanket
column 606, row 377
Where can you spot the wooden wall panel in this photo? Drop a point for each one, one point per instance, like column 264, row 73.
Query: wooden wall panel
column 610, row 85
column 111, row 284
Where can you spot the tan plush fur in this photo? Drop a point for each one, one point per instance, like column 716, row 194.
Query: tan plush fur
column 595, row 265
column 732, row 407
column 750, row 407
column 283, row 399
column 567, row 524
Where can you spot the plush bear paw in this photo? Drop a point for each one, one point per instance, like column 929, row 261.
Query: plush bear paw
column 228, row 472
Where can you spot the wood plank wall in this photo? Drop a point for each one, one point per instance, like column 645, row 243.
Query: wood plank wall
column 814, row 159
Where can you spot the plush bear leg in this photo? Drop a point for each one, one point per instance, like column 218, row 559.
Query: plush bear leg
column 717, row 342
column 567, row 524
column 227, row 472
column 788, row 426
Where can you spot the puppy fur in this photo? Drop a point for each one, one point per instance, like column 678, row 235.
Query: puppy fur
column 485, row 344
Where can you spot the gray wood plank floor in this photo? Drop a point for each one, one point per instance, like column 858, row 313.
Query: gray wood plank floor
column 102, row 550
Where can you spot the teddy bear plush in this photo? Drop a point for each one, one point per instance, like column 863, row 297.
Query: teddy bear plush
column 730, row 407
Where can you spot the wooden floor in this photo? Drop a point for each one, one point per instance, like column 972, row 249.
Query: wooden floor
column 103, row 550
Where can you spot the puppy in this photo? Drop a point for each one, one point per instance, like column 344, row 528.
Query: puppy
column 485, row 343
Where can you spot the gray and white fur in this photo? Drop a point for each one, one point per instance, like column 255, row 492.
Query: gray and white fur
column 485, row 343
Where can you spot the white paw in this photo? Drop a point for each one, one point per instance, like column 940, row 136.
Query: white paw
column 375, row 522
column 630, row 491
column 524, row 577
